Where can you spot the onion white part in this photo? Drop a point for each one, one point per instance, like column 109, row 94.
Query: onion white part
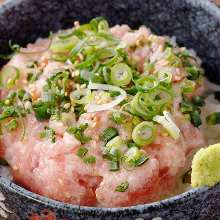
column 107, row 106
column 167, row 122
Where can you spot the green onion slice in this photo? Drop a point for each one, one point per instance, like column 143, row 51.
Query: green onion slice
column 122, row 187
column 108, row 134
column 81, row 152
column 188, row 86
column 144, row 133
column 63, row 45
column 81, row 96
column 213, row 119
column 195, row 118
column 121, row 74
column 134, row 157
column 8, row 76
column 146, row 83
column 165, row 77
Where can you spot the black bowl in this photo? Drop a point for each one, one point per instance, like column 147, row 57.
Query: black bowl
column 195, row 23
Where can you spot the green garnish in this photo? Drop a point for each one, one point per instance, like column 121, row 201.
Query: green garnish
column 113, row 165
column 213, row 119
column 134, row 157
column 188, row 86
column 8, row 111
column 146, row 83
column 12, row 125
column 117, row 118
column 48, row 133
column 81, row 152
column 143, row 134
column 8, row 76
column 122, row 187
column 114, row 93
column 198, row 100
column 186, row 107
column 196, row 119
column 193, row 73
column 3, row 162
column 42, row 110
column 121, row 74
column 78, row 132
column 131, row 144
column 108, row 134
column 89, row 160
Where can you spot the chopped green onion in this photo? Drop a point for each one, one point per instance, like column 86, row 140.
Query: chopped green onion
column 116, row 141
column 96, row 78
column 188, row 86
column 48, row 133
column 41, row 110
column 165, row 77
column 186, row 107
column 63, row 46
column 213, row 119
column 117, row 118
column 193, row 73
column 81, row 152
column 134, row 157
column 148, row 105
column 146, row 83
column 89, row 160
column 9, row 111
column 114, row 93
column 131, row 144
column 108, row 134
column 113, row 165
column 78, row 132
column 103, row 26
column 141, row 160
column 12, row 125
column 198, row 100
column 143, row 134
column 8, row 76
column 121, row 74
column 122, row 187
column 196, row 119
column 82, row 96
column 132, row 90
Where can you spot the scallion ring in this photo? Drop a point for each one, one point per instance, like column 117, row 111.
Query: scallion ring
column 121, row 74
column 8, row 76
column 147, row 83
column 143, row 134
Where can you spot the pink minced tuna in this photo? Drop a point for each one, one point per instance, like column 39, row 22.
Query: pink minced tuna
column 56, row 171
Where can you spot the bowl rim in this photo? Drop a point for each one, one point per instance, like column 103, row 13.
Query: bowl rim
column 207, row 5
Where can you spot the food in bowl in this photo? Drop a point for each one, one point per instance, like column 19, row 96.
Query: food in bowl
column 101, row 116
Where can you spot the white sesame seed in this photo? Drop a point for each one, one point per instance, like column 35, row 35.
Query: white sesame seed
column 77, row 73
column 83, row 86
column 67, row 105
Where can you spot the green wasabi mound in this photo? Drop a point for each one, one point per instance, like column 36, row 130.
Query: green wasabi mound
column 206, row 166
